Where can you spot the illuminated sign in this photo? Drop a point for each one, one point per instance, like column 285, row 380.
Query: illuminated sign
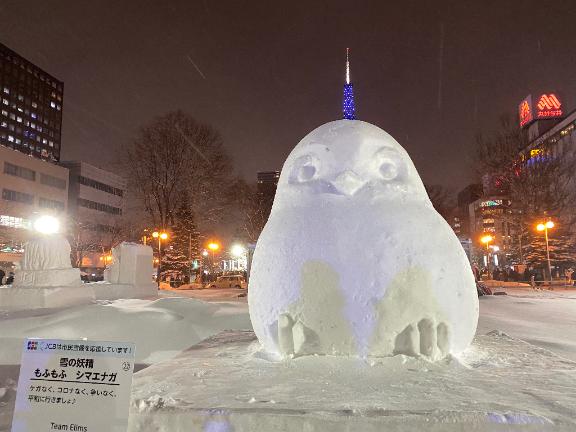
column 549, row 106
column 491, row 203
column 525, row 111
column 535, row 152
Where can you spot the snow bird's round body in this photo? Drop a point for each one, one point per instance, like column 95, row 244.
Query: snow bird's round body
column 354, row 260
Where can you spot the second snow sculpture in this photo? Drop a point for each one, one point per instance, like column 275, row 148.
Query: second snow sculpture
column 354, row 260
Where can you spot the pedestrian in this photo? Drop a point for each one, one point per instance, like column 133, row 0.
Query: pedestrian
column 476, row 272
column 10, row 279
column 2, row 274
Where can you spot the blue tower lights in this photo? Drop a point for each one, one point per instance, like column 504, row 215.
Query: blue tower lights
column 348, row 106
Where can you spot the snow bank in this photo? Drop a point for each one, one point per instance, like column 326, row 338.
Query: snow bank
column 225, row 384
column 160, row 328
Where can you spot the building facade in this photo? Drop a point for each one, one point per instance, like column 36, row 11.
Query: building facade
column 96, row 200
column 30, row 107
column 30, row 187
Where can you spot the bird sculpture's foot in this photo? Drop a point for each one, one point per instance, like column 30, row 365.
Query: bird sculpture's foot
column 423, row 339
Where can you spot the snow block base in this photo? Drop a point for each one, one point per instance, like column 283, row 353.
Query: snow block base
column 226, row 384
column 47, row 278
column 110, row 291
column 14, row 298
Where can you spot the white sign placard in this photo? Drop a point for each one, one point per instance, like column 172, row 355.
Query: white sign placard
column 74, row 385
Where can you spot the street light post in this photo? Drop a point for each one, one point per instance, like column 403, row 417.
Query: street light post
column 160, row 236
column 486, row 240
column 213, row 246
column 545, row 227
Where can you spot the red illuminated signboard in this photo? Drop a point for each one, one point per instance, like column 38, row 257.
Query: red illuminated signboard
column 525, row 111
column 549, row 106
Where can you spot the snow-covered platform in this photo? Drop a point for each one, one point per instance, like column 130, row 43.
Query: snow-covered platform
column 225, row 384
column 16, row 298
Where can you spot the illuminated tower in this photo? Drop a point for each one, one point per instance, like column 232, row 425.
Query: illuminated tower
column 348, row 108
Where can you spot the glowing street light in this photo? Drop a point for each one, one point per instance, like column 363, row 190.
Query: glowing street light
column 238, row 250
column 486, row 239
column 47, row 225
column 213, row 246
column 545, row 227
column 160, row 236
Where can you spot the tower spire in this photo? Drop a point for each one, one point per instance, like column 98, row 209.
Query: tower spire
column 347, row 66
column 348, row 108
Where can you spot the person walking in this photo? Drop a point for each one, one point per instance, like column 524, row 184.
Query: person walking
column 2, row 274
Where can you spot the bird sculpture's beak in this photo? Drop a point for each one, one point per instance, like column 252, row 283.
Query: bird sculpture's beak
column 347, row 183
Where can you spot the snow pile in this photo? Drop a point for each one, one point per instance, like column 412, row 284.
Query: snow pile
column 160, row 328
column 224, row 384
column 354, row 260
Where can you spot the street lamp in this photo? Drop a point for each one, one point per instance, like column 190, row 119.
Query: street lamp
column 47, row 225
column 545, row 227
column 213, row 246
column 239, row 253
column 160, row 236
column 486, row 239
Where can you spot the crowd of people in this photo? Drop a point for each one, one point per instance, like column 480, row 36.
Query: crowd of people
column 529, row 275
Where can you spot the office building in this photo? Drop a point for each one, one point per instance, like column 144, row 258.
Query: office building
column 30, row 107
column 96, row 205
column 30, row 187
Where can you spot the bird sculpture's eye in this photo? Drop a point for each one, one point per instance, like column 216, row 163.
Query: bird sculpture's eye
column 388, row 170
column 305, row 169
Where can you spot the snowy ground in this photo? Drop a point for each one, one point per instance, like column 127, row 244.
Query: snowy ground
column 500, row 376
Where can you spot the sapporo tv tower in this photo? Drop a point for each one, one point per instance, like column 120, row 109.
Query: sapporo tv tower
column 348, row 107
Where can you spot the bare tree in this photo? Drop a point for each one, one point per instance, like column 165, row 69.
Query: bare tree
column 442, row 199
column 255, row 211
column 176, row 154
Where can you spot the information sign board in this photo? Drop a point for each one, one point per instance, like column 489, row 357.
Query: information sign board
column 74, row 385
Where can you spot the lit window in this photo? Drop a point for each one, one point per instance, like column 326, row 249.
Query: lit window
column 44, row 141
column 34, row 105
column 18, row 141
column 5, row 101
column 52, row 104
column 33, row 125
column 19, row 119
column 10, row 138
column 4, row 124
column 33, row 115
column 5, row 113
column 6, row 90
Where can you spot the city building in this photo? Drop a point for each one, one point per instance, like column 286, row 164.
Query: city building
column 461, row 216
column 266, row 185
column 30, row 107
column 30, row 187
column 96, row 200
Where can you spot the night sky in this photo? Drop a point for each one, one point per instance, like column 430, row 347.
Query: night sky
column 266, row 73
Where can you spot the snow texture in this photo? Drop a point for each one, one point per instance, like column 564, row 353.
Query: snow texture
column 225, row 384
column 354, row 260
